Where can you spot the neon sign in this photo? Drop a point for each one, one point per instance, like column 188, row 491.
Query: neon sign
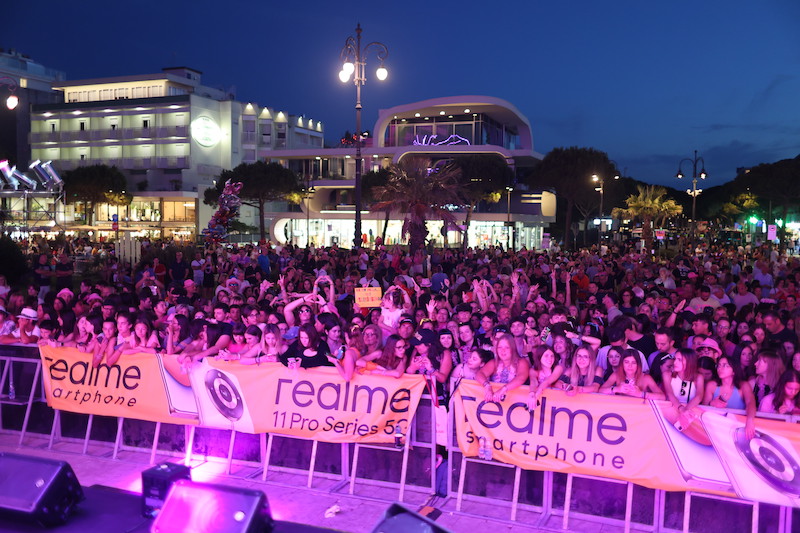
column 430, row 140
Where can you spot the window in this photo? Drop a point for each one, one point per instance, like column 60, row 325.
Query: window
column 82, row 125
column 53, row 126
column 145, row 123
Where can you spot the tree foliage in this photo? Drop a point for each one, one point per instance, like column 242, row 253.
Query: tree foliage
column 484, row 177
column 568, row 171
column 261, row 183
column 649, row 205
column 420, row 193
column 13, row 266
column 95, row 184
column 775, row 183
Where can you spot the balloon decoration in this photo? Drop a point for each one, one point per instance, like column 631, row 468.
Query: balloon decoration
column 229, row 203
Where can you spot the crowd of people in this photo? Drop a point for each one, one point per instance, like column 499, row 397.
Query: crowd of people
column 712, row 328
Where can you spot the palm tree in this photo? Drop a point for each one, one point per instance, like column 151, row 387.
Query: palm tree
column 483, row 179
column 647, row 206
column 420, row 193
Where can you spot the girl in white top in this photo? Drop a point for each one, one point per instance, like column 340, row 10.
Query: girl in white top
column 685, row 388
column 394, row 303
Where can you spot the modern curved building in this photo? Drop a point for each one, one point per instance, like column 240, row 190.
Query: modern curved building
column 441, row 129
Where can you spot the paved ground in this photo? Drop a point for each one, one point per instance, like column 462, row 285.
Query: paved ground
column 287, row 493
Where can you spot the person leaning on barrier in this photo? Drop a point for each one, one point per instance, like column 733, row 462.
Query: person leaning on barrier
column 630, row 380
column 507, row 368
column 6, row 322
column 391, row 361
column 786, row 398
column 26, row 332
column 732, row 391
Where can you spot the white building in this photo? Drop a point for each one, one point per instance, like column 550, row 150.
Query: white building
column 170, row 135
column 440, row 128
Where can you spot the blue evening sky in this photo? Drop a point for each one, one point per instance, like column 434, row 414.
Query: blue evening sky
column 646, row 81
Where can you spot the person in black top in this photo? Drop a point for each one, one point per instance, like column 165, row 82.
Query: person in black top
column 309, row 349
column 64, row 269
column 179, row 269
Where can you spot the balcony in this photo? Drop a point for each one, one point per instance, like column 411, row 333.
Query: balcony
column 72, row 164
column 136, row 163
column 46, row 137
column 108, row 134
column 172, row 131
column 69, row 136
column 172, row 162
column 248, row 137
column 138, row 133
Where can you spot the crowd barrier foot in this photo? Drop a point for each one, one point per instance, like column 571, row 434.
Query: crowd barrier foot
column 462, row 478
column 403, row 469
column 568, row 499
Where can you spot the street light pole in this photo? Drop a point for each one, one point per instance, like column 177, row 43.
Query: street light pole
column 512, row 235
column 309, row 193
column 694, row 192
column 353, row 63
column 601, row 189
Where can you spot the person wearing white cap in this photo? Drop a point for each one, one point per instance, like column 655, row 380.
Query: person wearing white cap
column 27, row 332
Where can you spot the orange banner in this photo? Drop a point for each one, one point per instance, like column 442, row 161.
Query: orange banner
column 314, row 404
column 134, row 387
column 628, row 439
column 268, row 398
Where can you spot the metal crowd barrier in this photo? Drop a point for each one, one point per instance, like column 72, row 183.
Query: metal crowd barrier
column 420, row 436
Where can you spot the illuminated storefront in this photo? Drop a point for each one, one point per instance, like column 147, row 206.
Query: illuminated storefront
column 439, row 129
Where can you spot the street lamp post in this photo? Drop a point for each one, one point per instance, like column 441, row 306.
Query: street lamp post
column 353, row 63
column 601, row 189
column 308, row 194
column 694, row 192
column 512, row 235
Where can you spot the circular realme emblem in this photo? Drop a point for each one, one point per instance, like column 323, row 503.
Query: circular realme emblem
column 206, row 132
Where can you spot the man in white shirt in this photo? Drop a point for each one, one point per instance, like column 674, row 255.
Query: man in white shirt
column 705, row 299
column 368, row 280
column 742, row 296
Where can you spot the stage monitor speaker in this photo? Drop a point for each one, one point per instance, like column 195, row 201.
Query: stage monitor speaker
column 37, row 489
column 193, row 507
column 399, row 519
column 156, row 482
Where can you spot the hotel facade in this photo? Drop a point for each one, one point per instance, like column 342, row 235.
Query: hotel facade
column 169, row 134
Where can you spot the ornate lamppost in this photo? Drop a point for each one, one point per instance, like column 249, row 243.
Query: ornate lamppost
column 694, row 192
column 354, row 64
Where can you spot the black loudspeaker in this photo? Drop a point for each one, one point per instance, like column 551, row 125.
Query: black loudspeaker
column 156, row 482
column 399, row 519
column 193, row 507
column 41, row 490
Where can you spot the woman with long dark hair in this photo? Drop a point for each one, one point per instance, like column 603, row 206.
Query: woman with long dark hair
column 732, row 391
column 786, row 398
column 308, row 351
column 630, row 380
column 389, row 362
